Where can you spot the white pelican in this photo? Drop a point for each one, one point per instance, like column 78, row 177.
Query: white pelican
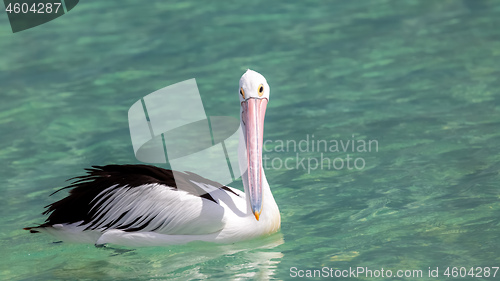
column 141, row 205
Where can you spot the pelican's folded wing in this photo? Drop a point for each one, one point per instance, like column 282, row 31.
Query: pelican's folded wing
column 140, row 198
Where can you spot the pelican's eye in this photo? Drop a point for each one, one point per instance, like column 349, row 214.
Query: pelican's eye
column 261, row 90
column 242, row 93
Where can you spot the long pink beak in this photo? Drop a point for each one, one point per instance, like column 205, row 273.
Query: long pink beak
column 254, row 110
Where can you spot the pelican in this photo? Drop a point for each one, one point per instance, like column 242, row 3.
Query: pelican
column 142, row 205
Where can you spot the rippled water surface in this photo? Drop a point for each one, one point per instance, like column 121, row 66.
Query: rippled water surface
column 420, row 79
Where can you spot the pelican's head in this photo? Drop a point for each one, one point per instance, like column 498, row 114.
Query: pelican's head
column 254, row 95
column 253, row 85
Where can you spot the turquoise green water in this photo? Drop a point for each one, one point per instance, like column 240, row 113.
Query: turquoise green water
column 419, row 77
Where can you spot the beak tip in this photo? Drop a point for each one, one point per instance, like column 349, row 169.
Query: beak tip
column 256, row 215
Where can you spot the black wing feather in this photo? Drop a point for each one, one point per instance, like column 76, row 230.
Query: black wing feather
column 81, row 203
